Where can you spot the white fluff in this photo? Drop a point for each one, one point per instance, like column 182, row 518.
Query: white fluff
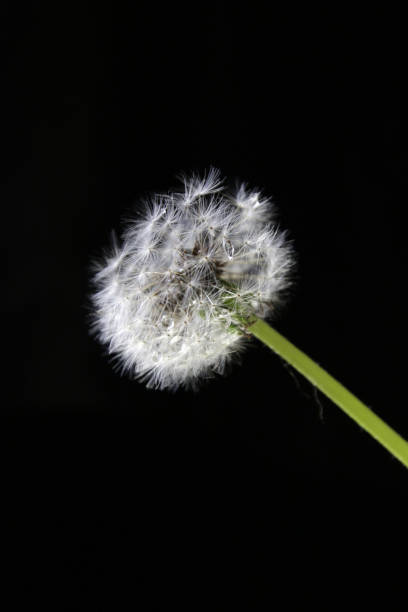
column 170, row 300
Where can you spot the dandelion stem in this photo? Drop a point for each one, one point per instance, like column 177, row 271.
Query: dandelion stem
column 321, row 379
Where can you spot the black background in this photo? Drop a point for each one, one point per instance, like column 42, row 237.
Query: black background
column 255, row 478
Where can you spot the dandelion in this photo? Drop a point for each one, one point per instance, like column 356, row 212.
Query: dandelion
column 194, row 277
column 170, row 301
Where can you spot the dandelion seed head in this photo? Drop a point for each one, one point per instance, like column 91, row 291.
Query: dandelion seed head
column 169, row 301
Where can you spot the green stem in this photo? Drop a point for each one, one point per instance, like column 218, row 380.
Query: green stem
column 352, row 406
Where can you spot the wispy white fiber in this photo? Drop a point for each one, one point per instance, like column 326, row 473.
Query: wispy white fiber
column 170, row 299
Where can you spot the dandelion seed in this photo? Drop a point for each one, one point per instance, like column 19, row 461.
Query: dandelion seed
column 169, row 302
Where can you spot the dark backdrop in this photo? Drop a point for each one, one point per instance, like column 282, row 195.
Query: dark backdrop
column 255, row 469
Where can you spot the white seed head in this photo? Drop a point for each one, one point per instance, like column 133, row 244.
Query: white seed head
column 169, row 302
